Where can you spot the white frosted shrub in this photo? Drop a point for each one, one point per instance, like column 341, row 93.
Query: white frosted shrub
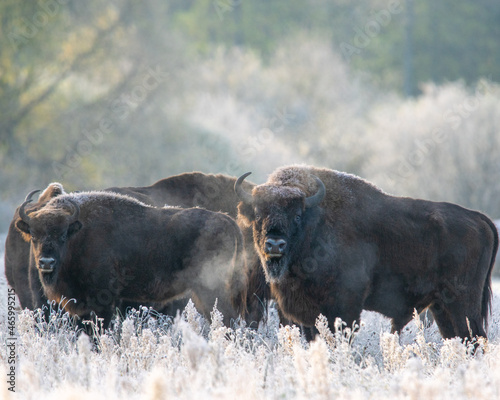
column 289, row 337
column 147, row 355
column 437, row 145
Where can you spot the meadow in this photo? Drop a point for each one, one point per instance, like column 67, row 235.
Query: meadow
column 150, row 356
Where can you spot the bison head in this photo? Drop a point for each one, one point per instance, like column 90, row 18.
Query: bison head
column 49, row 229
column 281, row 218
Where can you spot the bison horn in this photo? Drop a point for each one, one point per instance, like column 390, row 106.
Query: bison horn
column 76, row 210
column 316, row 198
column 244, row 196
column 22, row 212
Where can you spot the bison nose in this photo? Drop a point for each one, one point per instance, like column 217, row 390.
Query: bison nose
column 275, row 246
column 46, row 263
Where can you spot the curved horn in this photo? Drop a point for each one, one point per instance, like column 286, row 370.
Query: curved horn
column 244, row 196
column 31, row 194
column 76, row 210
column 318, row 197
column 27, row 200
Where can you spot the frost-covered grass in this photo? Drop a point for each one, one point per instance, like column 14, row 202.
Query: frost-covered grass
column 153, row 357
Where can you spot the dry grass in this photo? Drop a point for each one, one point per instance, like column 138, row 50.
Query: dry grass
column 154, row 357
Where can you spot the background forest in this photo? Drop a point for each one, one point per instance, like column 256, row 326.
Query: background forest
column 403, row 93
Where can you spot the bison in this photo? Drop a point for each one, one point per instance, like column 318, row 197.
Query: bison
column 333, row 243
column 17, row 251
column 193, row 189
column 213, row 192
column 102, row 248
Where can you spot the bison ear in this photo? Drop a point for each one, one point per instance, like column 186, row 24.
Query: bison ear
column 24, row 228
column 245, row 214
column 74, row 227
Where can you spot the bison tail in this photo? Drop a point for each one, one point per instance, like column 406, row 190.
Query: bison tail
column 487, row 291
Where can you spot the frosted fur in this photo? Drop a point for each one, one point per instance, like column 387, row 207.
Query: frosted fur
column 300, row 175
column 279, row 192
column 300, row 180
column 52, row 190
column 88, row 198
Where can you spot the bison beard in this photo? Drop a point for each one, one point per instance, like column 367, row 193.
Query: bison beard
column 102, row 248
column 350, row 246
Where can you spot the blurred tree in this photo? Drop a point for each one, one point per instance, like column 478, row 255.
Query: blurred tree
column 128, row 92
column 72, row 78
column 457, row 40
column 42, row 46
column 259, row 24
column 450, row 39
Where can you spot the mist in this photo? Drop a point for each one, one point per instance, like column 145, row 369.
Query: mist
column 130, row 95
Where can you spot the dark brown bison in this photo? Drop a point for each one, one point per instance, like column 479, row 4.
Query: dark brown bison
column 194, row 189
column 103, row 248
column 17, row 251
column 215, row 193
column 335, row 244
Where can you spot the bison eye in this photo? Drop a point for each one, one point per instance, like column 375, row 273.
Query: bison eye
column 298, row 218
column 258, row 217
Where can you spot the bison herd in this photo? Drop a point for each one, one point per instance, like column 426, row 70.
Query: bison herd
column 314, row 240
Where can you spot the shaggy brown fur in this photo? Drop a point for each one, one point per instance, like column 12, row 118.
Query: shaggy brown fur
column 361, row 248
column 16, row 254
column 194, row 189
column 119, row 249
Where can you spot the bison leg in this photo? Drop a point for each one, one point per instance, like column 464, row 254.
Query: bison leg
column 452, row 321
column 467, row 325
column 309, row 332
column 443, row 321
column 348, row 309
column 397, row 324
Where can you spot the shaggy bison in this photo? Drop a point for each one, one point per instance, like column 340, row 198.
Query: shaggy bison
column 102, row 248
column 17, row 254
column 213, row 192
column 332, row 243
